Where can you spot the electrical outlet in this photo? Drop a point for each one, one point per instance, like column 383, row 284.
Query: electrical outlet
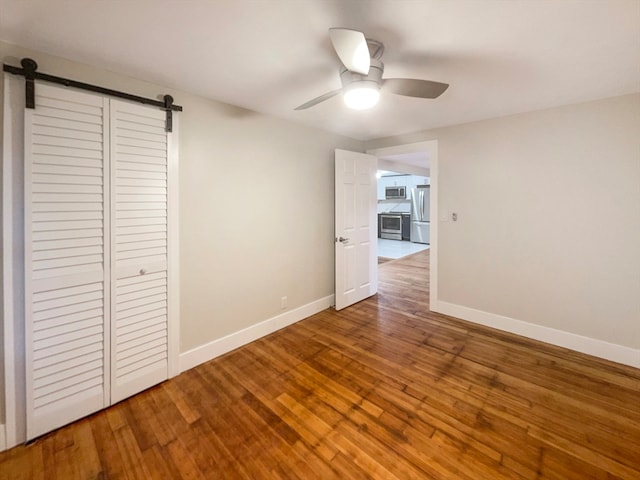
column 283, row 303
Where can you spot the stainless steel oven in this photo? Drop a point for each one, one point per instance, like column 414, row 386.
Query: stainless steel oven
column 391, row 226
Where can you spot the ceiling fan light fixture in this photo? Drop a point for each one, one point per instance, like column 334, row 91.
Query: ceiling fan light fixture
column 362, row 71
column 362, row 97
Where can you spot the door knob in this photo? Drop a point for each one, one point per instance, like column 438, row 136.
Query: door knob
column 142, row 271
column 343, row 240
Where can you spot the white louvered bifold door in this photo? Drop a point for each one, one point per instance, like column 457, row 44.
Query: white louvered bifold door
column 139, row 237
column 66, row 258
column 96, row 254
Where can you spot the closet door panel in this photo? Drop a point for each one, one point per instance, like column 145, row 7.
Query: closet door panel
column 139, row 244
column 66, row 263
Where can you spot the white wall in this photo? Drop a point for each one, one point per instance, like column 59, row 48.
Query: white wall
column 256, row 207
column 256, row 217
column 549, row 219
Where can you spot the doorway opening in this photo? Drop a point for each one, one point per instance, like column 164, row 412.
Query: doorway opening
column 403, row 213
column 414, row 167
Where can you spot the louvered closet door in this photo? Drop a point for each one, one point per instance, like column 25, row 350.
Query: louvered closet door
column 66, row 262
column 139, row 236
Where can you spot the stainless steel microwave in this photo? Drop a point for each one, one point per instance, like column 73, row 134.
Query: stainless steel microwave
column 391, row 193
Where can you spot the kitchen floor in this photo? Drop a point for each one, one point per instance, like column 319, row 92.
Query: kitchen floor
column 398, row 248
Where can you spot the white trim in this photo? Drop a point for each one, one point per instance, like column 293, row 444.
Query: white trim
column 220, row 346
column 12, row 254
column 591, row 346
column 426, row 145
column 173, row 254
column 434, row 224
column 9, row 393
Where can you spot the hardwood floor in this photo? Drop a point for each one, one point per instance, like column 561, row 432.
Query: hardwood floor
column 383, row 390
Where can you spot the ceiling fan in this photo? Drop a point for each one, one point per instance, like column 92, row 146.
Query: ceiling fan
column 361, row 73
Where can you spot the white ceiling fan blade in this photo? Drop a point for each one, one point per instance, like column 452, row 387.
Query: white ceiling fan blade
column 319, row 99
column 351, row 47
column 412, row 87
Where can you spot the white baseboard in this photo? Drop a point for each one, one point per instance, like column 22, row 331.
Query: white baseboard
column 597, row 348
column 220, row 346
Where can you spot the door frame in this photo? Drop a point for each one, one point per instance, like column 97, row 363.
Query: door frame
column 12, row 325
column 13, row 328
column 431, row 147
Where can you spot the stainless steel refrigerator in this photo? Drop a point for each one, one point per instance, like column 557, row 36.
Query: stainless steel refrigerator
column 420, row 221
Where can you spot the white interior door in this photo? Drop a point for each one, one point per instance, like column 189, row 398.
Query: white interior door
column 66, row 257
column 139, row 342
column 99, row 239
column 356, row 228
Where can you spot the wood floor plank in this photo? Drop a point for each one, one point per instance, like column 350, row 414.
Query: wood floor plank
column 130, row 453
column 183, row 461
column 177, row 397
column 158, row 465
column 384, row 389
column 106, row 448
column 85, row 452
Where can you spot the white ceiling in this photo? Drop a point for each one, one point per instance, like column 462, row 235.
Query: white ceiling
column 500, row 57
